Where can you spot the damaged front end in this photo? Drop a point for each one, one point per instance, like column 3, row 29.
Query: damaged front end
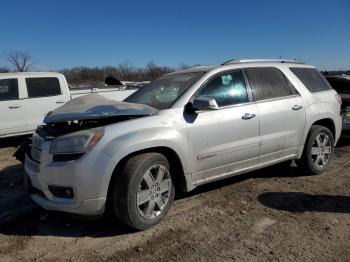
column 77, row 126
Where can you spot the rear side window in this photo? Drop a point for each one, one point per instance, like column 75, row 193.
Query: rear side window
column 43, row 87
column 9, row 89
column 268, row 82
column 227, row 89
column 312, row 79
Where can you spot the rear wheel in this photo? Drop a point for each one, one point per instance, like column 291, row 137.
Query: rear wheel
column 144, row 191
column 318, row 150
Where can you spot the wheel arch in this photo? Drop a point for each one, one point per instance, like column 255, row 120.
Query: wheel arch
column 176, row 167
column 326, row 122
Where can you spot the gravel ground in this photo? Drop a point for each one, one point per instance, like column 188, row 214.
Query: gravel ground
column 275, row 214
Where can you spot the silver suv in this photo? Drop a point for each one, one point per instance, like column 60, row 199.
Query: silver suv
column 182, row 130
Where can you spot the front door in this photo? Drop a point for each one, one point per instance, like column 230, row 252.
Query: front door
column 225, row 140
column 12, row 116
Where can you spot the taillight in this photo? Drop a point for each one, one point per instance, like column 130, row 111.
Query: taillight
column 338, row 99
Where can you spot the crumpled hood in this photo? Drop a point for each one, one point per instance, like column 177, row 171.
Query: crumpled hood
column 94, row 106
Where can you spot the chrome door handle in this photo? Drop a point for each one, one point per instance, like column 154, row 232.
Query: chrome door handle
column 296, row 107
column 60, row 102
column 248, row 116
column 14, row 106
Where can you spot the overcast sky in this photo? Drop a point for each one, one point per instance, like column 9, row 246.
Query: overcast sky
column 60, row 34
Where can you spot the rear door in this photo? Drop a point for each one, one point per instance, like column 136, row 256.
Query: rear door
column 12, row 117
column 44, row 94
column 282, row 113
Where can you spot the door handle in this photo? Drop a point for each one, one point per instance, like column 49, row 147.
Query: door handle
column 248, row 116
column 60, row 102
column 14, row 106
column 296, row 107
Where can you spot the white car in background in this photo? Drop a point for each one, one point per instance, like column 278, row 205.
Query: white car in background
column 25, row 98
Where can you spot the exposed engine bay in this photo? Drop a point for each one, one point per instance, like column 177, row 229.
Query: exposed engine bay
column 85, row 112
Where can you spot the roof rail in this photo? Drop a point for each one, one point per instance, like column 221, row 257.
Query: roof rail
column 237, row 61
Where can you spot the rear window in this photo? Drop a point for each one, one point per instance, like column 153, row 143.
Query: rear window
column 268, row 82
column 312, row 79
column 43, row 87
column 9, row 89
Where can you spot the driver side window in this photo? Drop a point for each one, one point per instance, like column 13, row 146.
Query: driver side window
column 227, row 89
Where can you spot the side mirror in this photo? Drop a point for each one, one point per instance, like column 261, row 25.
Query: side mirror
column 204, row 104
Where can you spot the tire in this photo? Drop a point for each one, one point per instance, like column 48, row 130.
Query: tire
column 145, row 177
column 317, row 152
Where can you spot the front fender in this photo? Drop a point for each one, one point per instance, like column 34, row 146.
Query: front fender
column 145, row 139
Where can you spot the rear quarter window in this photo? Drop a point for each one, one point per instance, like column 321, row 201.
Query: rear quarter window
column 43, row 87
column 312, row 79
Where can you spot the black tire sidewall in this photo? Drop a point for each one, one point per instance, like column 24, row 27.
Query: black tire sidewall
column 307, row 154
column 126, row 196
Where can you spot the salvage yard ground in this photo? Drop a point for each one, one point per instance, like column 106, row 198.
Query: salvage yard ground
column 275, row 214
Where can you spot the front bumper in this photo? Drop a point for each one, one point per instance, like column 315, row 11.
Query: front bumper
column 88, row 177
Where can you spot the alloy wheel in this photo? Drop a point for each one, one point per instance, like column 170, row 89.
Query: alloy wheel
column 154, row 191
column 321, row 150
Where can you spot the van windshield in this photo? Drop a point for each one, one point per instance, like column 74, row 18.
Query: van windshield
column 163, row 92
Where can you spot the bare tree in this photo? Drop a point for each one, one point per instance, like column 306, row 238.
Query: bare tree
column 21, row 61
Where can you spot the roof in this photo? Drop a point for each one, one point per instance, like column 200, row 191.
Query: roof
column 28, row 74
column 193, row 70
column 236, row 63
column 282, row 61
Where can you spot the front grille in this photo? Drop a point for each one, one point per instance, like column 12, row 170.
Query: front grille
column 35, row 153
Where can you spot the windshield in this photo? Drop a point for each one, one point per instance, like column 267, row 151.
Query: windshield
column 164, row 91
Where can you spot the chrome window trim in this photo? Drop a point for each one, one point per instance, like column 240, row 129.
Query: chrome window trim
column 253, row 102
column 277, row 98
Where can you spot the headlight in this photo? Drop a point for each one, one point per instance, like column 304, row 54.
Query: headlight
column 346, row 117
column 78, row 142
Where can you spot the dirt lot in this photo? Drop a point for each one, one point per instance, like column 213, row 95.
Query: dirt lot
column 276, row 214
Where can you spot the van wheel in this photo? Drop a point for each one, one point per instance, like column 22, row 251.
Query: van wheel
column 143, row 191
column 318, row 150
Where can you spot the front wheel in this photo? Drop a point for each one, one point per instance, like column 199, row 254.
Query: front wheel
column 144, row 191
column 318, row 150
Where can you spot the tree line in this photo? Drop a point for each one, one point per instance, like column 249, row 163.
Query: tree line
column 124, row 72
column 22, row 62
